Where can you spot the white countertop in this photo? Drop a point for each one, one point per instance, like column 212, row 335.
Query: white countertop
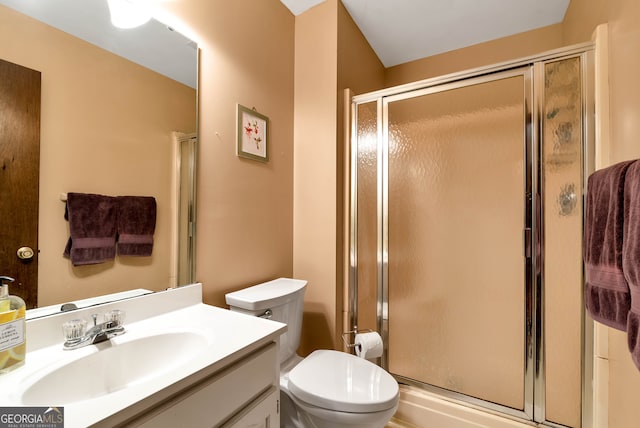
column 228, row 335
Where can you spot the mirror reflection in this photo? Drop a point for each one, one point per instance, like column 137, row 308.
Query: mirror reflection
column 111, row 123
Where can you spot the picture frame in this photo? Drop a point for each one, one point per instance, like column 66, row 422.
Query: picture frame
column 252, row 134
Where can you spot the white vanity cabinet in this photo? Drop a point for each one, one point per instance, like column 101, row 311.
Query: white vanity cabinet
column 242, row 394
column 180, row 363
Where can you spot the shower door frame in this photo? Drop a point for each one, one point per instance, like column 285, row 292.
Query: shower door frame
column 531, row 69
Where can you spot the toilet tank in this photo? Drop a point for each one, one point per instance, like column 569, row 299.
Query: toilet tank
column 284, row 297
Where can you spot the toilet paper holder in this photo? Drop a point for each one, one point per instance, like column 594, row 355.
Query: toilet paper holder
column 349, row 337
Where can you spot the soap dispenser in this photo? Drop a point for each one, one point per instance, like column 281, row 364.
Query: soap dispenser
column 12, row 328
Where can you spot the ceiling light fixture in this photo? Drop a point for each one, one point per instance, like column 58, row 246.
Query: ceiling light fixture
column 127, row 13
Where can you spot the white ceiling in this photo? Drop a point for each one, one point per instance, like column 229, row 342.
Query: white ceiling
column 298, row 6
column 405, row 30
column 153, row 45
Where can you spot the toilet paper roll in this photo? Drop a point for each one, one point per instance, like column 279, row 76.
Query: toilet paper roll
column 368, row 345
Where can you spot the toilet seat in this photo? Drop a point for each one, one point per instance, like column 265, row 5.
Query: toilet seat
column 342, row 382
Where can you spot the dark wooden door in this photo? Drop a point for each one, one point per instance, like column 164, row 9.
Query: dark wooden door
column 19, row 176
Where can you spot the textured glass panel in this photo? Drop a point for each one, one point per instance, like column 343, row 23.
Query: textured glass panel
column 456, row 215
column 367, row 126
column 561, row 163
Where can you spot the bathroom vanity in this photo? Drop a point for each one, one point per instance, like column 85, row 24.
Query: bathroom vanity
column 179, row 363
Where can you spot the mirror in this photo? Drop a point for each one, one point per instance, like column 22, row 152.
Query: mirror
column 118, row 117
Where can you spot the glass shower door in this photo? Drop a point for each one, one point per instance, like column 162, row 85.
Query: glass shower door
column 454, row 237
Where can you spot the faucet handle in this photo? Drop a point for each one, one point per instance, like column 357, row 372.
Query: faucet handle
column 74, row 329
column 115, row 316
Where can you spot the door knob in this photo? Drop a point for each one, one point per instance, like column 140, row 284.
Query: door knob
column 25, row 253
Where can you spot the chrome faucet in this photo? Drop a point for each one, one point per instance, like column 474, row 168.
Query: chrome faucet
column 77, row 335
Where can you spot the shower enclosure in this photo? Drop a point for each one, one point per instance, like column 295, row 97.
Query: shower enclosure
column 466, row 230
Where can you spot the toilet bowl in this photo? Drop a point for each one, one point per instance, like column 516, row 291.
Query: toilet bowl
column 335, row 389
column 327, row 388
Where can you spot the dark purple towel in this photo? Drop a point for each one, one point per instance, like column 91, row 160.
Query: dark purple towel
column 607, row 295
column 136, row 225
column 631, row 256
column 92, row 226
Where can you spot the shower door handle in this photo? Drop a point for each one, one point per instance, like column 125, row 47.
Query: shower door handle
column 526, row 239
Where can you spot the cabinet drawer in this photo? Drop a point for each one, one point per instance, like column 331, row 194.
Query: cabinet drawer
column 219, row 397
column 262, row 413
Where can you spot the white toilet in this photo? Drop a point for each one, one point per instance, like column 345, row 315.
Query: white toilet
column 327, row 388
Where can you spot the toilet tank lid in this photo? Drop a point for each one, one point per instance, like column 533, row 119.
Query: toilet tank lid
column 268, row 294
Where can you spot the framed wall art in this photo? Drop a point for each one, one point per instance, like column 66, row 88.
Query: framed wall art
column 252, row 136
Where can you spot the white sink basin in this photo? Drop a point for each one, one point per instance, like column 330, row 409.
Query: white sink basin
column 112, row 367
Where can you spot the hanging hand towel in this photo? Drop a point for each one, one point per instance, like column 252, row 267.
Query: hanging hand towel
column 631, row 256
column 92, row 226
column 136, row 225
column 607, row 295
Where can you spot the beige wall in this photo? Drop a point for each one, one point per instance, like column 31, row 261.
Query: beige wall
column 623, row 17
column 331, row 55
column 492, row 52
column 358, row 66
column 245, row 208
column 315, row 171
column 106, row 128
